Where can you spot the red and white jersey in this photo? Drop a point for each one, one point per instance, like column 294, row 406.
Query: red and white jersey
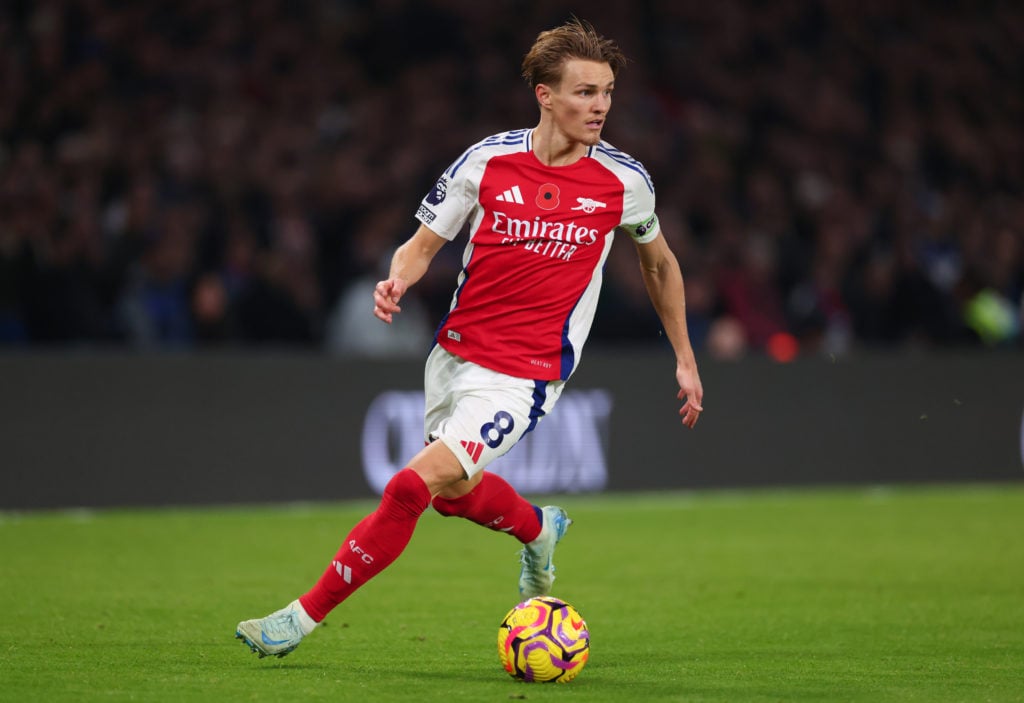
column 539, row 237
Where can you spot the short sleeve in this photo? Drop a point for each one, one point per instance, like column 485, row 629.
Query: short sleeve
column 450, row 202
column 638, row 218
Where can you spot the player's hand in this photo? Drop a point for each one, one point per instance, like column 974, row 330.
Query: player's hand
column 386, row 295
column 691, row 392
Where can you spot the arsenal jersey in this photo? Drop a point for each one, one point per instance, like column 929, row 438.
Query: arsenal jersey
column 538, row 239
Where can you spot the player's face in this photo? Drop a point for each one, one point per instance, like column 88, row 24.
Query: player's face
column 580, row 103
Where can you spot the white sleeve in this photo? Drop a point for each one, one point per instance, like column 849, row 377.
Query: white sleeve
column 453, row 198
column 638, row 218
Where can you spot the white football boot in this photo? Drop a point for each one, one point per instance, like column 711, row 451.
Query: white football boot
column 538, row 572
column 277, row 634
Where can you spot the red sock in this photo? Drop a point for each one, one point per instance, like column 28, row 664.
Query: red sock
column 372, row 544
column 497, row 506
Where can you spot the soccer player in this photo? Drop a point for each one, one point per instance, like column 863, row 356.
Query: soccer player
column 543, row 206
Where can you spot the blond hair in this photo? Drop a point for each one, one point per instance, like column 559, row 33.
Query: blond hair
column 576, row 39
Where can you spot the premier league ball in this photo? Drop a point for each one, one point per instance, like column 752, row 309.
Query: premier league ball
column 543, row 639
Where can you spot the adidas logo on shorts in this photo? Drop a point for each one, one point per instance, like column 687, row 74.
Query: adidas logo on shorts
column 475, row 449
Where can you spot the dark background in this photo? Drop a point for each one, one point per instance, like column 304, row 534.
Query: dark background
column 197, row 196
column 151, row 430
column 209, row 173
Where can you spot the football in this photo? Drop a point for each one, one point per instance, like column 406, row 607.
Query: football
column 543, row 639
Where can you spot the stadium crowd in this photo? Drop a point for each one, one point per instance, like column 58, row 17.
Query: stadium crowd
column 833, row 175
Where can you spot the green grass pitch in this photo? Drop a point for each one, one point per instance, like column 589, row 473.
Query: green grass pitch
column 900, row 594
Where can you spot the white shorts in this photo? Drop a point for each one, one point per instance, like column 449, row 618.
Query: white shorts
column 478, row 413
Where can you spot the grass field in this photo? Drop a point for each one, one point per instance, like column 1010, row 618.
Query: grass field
column 905, row 594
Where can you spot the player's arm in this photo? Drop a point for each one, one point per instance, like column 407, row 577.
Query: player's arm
column 664, row 281
column 410, row 262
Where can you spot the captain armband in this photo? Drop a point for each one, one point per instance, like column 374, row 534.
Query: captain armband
column 644, row 231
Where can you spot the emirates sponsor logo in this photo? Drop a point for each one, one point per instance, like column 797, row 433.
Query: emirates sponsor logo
column 568, row 232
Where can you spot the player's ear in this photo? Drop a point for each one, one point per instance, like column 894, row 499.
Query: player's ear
column 543, row 93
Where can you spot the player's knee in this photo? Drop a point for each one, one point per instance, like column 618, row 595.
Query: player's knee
column 449, row 507
column 438, row 467
column 456, row 499
column 406, row 493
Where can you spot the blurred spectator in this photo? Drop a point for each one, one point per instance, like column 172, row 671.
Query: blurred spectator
column 155, row 305
column 208, row 172
column 350, row 331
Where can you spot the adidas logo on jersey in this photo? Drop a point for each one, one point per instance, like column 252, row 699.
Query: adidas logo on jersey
column 512, row 195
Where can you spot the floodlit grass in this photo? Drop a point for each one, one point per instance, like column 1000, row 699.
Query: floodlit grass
column 906, row 594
